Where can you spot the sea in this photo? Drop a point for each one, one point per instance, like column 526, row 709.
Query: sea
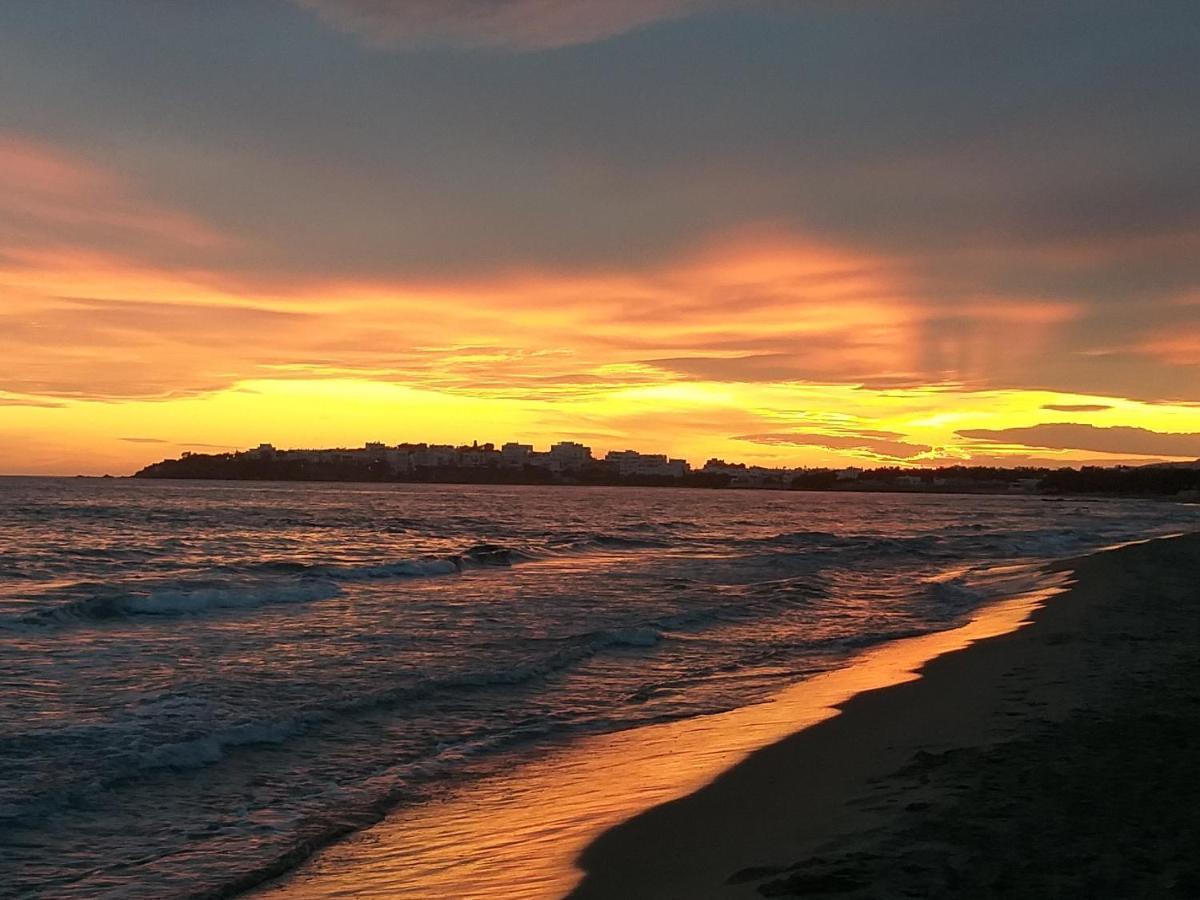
column 203, row 681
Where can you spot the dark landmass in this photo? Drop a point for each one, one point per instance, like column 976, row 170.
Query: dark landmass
column 239, row 467
column 1179, row 481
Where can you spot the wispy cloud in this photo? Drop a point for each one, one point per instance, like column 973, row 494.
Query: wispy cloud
column 32, row 402
column 881, row 444
column 1076, row 407
column 54, row 198
column 1122, row 439
column 109, row 348
column 510, row 24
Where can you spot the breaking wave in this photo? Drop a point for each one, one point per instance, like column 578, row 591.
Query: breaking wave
column 291, row 582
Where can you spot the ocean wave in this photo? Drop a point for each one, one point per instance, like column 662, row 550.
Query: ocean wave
column 280, row 581
column 130, row 748
column 953, row 593
column 858, row 545
column 644, row 636
column 181, row 601
column 403, row 568
column 591, row 542
column 104, row 601
column 209, row 748
column 562, row 654
column 624, row 541
column 286, row 581
column 477, row 556
column 129, row 752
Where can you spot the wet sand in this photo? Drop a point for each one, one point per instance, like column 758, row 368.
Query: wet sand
column 518, row 834
column 1058, row 760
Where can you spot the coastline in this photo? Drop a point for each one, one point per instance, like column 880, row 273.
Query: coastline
column 1053, row 760
column 519, row 835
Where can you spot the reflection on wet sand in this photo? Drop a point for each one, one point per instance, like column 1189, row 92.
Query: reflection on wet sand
column 518, row 835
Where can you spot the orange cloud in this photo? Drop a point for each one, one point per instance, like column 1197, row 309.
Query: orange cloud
column 881, row 444
column 753, row 307
column 1071, row 436
column 760, row 344
column 53, row 199
column 1175, row 347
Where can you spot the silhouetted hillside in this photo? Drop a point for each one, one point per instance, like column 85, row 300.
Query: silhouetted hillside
column 1182, row 481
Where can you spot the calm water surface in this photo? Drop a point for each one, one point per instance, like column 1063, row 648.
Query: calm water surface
column 201, row 678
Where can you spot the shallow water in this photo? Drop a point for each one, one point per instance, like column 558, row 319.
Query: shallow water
column 202, row 677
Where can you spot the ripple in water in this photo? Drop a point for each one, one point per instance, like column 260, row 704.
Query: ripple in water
column 204, row 681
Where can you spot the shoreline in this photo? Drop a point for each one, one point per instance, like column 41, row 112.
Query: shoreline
column 519, row 835
column 1046, row 496
column 974, row 779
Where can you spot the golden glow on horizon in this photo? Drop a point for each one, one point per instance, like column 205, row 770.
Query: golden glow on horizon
column 760, row 345
column 693, row 419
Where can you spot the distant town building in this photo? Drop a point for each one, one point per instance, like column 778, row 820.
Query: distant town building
column 516, row 455
column 570, row 456
column 478, row 456
column 631, row 462
column 433, row 456
column 563, row 457
column 541, row 459
column 720, row 467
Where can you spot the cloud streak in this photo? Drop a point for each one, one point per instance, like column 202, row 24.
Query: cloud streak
column 1076, row 407
column 507, row 24
column 53, row 198
column 881, row 444
column 1121, row 439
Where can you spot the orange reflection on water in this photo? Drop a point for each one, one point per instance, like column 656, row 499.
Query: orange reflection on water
column 517, row 835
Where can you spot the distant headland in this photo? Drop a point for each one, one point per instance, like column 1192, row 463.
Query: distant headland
column 568, row 462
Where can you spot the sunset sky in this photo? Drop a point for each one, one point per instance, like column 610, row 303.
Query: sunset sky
column 817, row 232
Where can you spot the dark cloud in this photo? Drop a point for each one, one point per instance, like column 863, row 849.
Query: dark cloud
column 1010, row 460
column 1073, row 369
column 1076, row 407
column 511, row 24
column 1071, row 436
column 864, row 441
column 1011, row 151
column 145, row 440
column 1130, row 206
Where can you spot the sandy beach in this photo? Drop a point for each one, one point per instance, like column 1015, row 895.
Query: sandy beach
column 1043, row 749
column 1056, row 760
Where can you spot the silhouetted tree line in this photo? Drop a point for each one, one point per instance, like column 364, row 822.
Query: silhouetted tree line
column 1142, row 481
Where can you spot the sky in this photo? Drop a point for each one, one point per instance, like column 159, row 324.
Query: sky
column 817, row 232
